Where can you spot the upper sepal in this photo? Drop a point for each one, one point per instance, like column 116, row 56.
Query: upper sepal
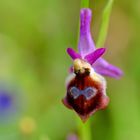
column 86, row 44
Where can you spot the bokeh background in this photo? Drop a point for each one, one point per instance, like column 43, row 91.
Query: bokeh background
column 34, row 35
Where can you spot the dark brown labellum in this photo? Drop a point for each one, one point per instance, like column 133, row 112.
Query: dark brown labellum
column 86, row 96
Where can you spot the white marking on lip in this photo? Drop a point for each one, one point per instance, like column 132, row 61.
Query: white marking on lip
column 69, row 78
column 88, row 92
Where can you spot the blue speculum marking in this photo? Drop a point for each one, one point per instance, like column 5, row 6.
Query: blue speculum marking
column 88, row 92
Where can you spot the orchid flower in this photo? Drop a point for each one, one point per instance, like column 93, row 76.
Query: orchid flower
column 86, row 86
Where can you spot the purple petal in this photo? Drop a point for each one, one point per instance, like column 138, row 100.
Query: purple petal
column 102, row 67
column 73, row 54
column 92, row 57
column 86, row 44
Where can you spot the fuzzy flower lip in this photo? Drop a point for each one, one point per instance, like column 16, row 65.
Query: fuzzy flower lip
column 87, row 50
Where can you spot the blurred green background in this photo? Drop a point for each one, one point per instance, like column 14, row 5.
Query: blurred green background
column 34, row 35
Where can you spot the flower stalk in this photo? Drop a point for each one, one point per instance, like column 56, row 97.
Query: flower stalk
column 84, row 3
column 104, row 24
column 84, row 130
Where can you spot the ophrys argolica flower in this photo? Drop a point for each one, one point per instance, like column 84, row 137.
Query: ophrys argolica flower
column 86, row 86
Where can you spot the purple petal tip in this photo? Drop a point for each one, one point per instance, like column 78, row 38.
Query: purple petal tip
column 86, row 11
column 106, row 69
column 102, row 50
column 114, row 71
column 92, row 57
column 73, row 54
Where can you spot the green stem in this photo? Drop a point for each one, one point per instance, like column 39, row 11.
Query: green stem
column 84, row 130
column 104, row 24
column 84, row 3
